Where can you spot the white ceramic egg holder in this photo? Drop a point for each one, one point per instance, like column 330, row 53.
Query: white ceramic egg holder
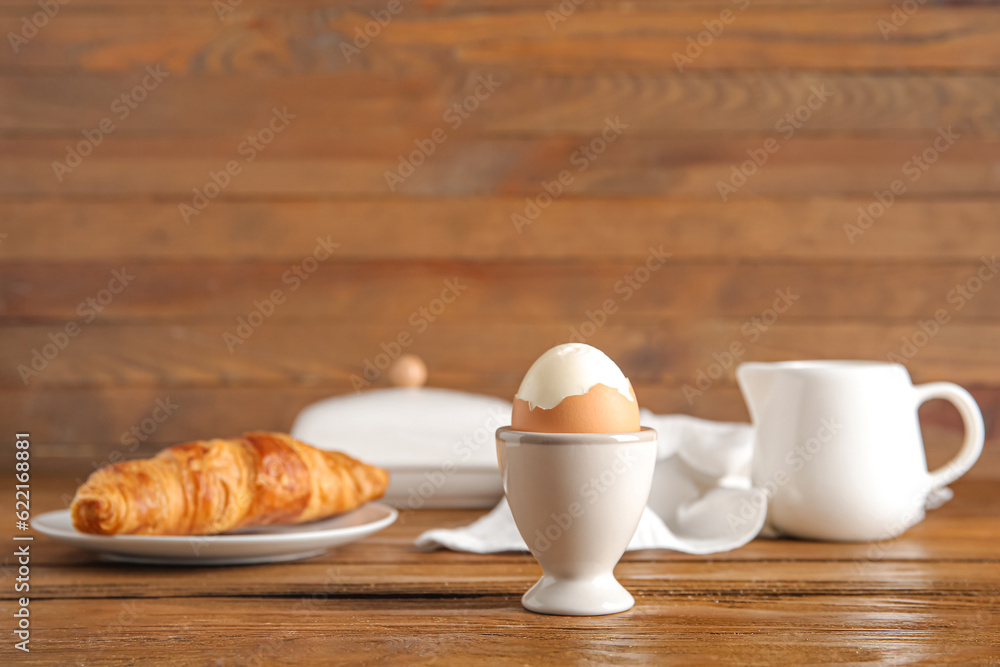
column 577, row 499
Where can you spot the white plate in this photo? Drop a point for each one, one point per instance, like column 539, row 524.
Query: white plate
column 265, row 544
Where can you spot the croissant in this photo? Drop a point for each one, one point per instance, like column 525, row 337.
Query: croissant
column 215, row 486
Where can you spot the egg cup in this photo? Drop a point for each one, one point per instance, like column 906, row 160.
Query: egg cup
column 577, row 499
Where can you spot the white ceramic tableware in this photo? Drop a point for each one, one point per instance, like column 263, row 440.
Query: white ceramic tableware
column 264, row 544
column 437, row 444
column 577, row 499
column 839, row 453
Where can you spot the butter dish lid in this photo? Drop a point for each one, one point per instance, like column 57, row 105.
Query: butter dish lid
column 438, row 445
column 407, row 427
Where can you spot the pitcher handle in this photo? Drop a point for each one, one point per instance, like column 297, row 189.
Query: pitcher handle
column 975, row 431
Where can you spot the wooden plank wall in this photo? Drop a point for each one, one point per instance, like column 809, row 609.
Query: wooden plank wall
column 839, row 109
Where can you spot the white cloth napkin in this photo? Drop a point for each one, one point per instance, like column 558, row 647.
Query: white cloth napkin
column 701, row 502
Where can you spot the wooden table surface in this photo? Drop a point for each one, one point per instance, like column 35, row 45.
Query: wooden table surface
column 931, row 596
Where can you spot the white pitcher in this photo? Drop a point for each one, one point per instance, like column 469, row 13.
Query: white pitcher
column 839, row 453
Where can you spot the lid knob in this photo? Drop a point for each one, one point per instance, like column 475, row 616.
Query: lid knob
column 408, row 371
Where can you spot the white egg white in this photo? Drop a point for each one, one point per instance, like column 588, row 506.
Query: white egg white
column 571, row 369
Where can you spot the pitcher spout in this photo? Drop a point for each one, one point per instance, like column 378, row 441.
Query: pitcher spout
column 755, row 380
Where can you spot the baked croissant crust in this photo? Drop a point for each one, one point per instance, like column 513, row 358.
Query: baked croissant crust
column 215, row 486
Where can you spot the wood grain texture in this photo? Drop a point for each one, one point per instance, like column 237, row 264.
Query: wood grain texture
column 324, row 178
column 703, row 102
column 928, row 596
column 89, row 228
column 632, row 166
column 481, row 6
column 671, row 354
column 498, row 575
column 385, row 293
column 191, row 39
column 931, row 596
column 869, row 629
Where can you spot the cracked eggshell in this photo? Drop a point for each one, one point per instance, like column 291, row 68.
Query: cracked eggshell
column 575, row 388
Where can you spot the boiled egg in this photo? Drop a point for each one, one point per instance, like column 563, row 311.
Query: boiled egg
column 575, row 388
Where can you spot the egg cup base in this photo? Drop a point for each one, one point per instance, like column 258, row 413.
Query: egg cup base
column 575, row 597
